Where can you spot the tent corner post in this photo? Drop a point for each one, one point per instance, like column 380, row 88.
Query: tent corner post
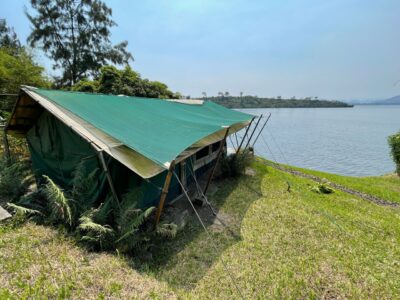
column 221, row 146
column 164, row 192
column 109, row 178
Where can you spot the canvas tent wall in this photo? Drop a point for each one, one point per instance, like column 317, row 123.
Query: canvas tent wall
column 140, row 137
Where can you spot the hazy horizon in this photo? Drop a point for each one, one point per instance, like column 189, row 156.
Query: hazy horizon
column 344, row 50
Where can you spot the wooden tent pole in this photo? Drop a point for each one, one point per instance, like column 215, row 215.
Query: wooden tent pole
column 221, row 146
column 6, row 145
column 248, row 127
column 164, row 191
column 109, row 178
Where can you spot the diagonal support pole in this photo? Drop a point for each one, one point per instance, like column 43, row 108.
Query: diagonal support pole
column 109, row 178
column 244, row 137
column 164, row 191
column 254, row 130
column 6, row 145
column 221, row 146
column 262, row 128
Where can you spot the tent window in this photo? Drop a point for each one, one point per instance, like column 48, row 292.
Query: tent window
column 202, row 153
column 215, row 146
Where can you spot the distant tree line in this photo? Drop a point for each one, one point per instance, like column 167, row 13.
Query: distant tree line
column 278, row 102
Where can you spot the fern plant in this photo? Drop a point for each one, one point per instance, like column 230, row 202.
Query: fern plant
column 96, row 235
column 83, row 185
column 110, row 225
column 58, row 203
column 22, row 210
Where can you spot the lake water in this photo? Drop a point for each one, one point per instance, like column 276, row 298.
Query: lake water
column 347, row 141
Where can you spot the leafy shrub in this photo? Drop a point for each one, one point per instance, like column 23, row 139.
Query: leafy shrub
column 13, row 179
column 235, row 165
column 394, row 143
column 322, row 188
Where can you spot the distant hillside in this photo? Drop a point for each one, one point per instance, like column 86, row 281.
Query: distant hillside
column 394, row 100
column 391, row 101
column 255, row 102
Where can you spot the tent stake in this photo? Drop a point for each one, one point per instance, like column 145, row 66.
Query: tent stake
column 247, row 130
column 254, row 130
column 221, row 146
column 164, row 192
column 109, row 179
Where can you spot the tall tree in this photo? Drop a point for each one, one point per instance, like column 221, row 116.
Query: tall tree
column 17, row 67
column 76, row 35
column 8, row 38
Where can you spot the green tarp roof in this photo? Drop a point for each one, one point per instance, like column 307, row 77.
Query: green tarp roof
column 158, row 129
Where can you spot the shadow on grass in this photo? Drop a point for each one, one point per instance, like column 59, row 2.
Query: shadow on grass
column 184, row 260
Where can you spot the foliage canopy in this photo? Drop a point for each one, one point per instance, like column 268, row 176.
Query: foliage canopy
column 17, row 67
column 126, row 82
column 76, row 35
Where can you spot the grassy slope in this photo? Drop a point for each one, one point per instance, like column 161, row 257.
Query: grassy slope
column 281, row 244
column 386, row 187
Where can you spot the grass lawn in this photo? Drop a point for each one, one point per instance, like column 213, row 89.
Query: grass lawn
column 386, row 187
column 277, row 245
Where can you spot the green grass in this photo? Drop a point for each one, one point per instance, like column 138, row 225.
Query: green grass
column 278, row 245
column 386, row 187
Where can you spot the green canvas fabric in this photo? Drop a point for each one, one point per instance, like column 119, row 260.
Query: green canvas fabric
column 56, row 151
column 158, row 129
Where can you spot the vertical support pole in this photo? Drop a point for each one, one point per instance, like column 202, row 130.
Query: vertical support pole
column 6, row 145
column 109, row 179
column 254, row 130
column 244, row 137
column 164, row 191
column 221, row 146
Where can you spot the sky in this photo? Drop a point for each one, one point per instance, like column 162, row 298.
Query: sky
column 332, row 49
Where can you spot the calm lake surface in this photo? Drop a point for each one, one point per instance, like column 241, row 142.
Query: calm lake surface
column 346, row 141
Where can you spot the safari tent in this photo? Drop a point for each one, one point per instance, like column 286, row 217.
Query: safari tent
column 133, row 142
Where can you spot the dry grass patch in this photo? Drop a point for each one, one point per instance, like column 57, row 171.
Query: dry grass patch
column 40, row 262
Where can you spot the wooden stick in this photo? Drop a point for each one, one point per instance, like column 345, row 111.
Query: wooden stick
column 109, row 178
column 6, row 145
column 237, row 142
column 164, row 191
column 241, row 143
column 262, row 128
column 254, row 130
column 221, row 146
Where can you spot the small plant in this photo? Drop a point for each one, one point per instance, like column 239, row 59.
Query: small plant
column 58, row 204
column 322, row 188
column 235, row 165
column 394, row 143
